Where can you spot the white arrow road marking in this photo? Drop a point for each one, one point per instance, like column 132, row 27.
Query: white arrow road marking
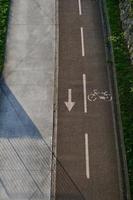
column 80, row 9
column 82, row 41
column 87, row 156
column 69, row 104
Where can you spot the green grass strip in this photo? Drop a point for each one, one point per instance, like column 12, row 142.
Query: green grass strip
column 4, row 11
column 124, row 71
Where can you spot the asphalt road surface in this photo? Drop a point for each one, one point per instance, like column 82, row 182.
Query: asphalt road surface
column 87, row 166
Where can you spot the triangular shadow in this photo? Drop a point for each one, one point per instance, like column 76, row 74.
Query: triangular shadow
column 14, row 121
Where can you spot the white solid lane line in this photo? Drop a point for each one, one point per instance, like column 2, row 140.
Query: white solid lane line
column 84, row 93
column 82, row 41
column 87, row 156
column 80, row 8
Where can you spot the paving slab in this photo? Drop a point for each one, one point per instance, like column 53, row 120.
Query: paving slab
column 26, row 101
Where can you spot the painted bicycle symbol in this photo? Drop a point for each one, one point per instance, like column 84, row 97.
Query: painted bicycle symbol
column 93, row 96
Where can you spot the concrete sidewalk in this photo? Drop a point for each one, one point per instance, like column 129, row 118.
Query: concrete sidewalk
column 26, row 103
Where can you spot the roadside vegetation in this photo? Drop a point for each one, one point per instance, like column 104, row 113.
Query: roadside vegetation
column 124, row 71
column 4, row 11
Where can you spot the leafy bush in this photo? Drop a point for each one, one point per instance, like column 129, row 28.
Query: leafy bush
column 4, row 10
column 124, row 71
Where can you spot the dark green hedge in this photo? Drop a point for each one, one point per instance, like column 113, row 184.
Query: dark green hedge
column 124, row 71
column 4, row 10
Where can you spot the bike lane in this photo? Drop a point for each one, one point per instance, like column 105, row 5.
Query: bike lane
column 87, row 166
